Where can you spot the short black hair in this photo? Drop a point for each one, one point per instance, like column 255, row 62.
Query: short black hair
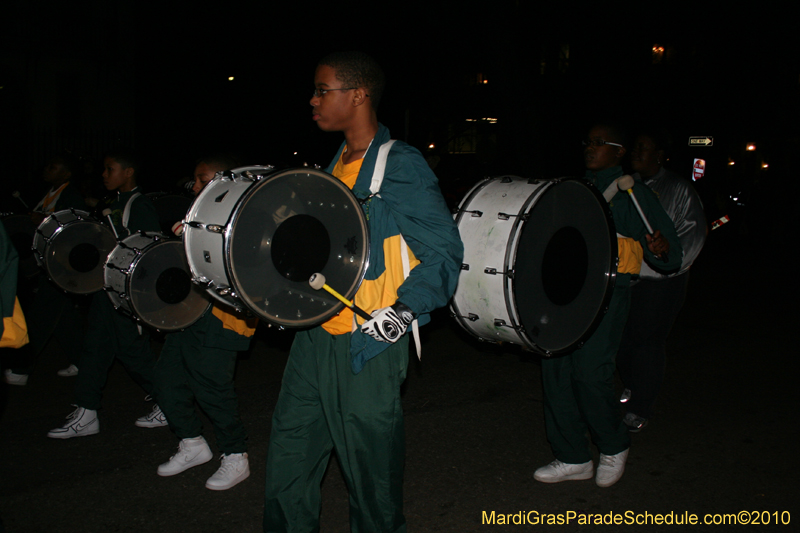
column 357, row 69
column 660, row 137
column 619, row 133
column 125, row 157
column 219, row 160
column 66, row 159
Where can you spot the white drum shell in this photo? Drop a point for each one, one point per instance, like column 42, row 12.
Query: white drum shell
column 490, row 243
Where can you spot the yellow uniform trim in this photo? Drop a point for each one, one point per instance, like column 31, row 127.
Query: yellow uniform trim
column 630, row 255
column 230, row 320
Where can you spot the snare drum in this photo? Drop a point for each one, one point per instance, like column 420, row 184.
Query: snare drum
column 71, row 247
column 147, row 277
column 254, row 236
column 539, row 262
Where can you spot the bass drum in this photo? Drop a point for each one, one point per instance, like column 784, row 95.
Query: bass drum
column 539, row 262
column 254, row 236
column 71, row 247
column 147, row 277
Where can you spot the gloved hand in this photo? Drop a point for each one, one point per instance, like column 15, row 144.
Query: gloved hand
column 388, row 324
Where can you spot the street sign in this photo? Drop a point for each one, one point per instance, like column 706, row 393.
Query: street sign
column 698, row 169
column 701, row 141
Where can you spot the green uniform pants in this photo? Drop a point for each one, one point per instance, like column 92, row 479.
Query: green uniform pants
column 322, row 407
column 579, row 391
column 187, row 371
column 111, row 335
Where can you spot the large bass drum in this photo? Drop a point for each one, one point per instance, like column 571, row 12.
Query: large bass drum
column 147, row 277
column 539, row 262
column 254, row 236
column 71, row 247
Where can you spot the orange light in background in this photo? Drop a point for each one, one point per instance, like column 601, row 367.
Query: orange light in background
column 485, row 82
column 751, row 147
column 764, row 165
column 431, row 146
column 731, row 163
column 230, row 78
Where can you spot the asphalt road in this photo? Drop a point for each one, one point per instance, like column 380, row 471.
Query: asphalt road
column 723, row 439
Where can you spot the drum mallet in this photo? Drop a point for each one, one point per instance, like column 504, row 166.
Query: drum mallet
column 625, row 183
column 317, row 282
column 107, row 214
column 16, row 195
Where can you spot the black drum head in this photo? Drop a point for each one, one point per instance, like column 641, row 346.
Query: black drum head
column 290, row 225
column 565, row 266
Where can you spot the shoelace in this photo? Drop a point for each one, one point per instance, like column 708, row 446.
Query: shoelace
column 607, row 460
column 228, row 464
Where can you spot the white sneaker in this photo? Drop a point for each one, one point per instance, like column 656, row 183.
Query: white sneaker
column 68, row 372
column 625, row 396
column 80, row 423
column 557, row 471
column 191, row 452
column 611, row 468
column 235, row 468
column 155, row 419
column 15, row 379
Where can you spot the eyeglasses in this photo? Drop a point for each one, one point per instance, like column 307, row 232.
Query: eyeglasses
column 597, row 143
column 321, row 92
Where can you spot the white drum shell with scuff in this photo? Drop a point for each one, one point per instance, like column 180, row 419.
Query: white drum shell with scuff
column 490, row 241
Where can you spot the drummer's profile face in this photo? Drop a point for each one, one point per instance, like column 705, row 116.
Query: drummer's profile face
column 332, row 109
column 115, row 177
column 202, row 175
column 598, row 156
column 55, row 173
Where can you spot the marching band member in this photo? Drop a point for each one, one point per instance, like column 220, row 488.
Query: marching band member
column 341, row 386
column 111, row 335
column 197, row 365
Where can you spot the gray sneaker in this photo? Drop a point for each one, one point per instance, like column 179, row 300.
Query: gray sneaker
column 634, row 422
column 155, row 419
column 80, row 423
column 611, row 468
column 234, row 469
column 191, row 452
column 558, row 471
column 68, row 372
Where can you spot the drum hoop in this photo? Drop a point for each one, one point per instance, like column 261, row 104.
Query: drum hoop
column 511, row 254
column 228, row 234
column 611, row 278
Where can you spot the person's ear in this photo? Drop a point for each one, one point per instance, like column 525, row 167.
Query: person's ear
column 359, row 96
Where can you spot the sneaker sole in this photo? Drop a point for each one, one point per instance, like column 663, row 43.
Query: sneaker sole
column 70, row 435
column 571, row 477
column 606, row 484
column 150, row 425
column 242, row 477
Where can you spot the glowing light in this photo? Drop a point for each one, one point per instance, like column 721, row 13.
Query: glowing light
column 485, row 82
column 751, row 147
column 764, row 165
column 295, row 153
column 731, row 163
column 230, row 78
column 431, row 146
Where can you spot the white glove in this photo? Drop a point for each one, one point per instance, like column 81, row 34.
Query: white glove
column 388, row 324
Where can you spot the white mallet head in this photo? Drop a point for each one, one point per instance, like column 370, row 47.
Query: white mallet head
column 316, row 281
column 106, row 212
column 625, row 182
column 177, row 228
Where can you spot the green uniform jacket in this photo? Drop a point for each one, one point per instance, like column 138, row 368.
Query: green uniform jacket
column 409, row 203
column 8, row 275
column 143, row 216
column 628, row 222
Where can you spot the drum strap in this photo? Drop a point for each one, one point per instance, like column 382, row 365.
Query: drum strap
column 374, row 188
column 126, row 213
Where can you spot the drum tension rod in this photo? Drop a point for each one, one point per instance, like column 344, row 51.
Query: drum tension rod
column 472, row 316
column 494, row 272
column 506, row 216
column 500, row 323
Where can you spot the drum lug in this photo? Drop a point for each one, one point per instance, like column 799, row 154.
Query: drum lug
column 215, row 228
column 472, row 317
column 493, row 272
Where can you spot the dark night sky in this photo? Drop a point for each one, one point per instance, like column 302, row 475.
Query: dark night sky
column 732, row 78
